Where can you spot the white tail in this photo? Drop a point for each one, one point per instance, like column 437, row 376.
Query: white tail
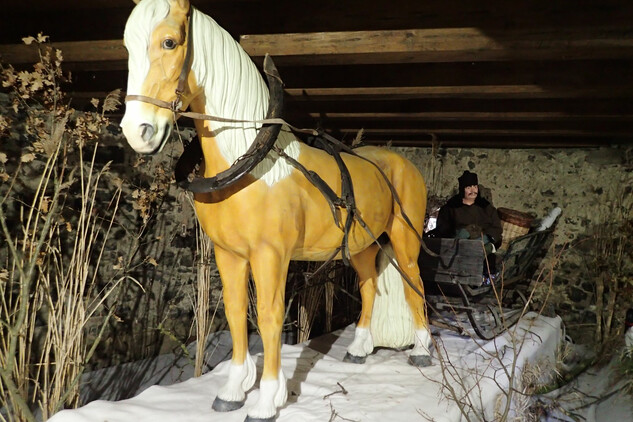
column 391, row 321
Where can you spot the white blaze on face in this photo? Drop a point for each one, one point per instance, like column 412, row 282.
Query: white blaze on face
column 145, row 130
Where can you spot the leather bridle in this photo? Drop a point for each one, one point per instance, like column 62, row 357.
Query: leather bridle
column 175, row 105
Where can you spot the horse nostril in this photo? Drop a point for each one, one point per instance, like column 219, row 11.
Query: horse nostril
column 147, row 131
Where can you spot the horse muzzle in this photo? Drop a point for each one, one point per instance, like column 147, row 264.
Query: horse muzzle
column 146, row 133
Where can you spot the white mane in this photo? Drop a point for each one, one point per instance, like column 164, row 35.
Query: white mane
column 233, row 87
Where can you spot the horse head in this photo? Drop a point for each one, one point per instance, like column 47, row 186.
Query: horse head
column 160, row 80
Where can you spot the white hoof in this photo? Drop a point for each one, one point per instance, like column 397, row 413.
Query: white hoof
column 241, row 379
column 363, row 343
column 421, row 344
column 273, row 394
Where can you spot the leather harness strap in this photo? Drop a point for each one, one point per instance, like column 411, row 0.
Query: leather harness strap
column 186, row 65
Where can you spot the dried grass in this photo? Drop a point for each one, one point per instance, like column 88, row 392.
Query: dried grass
column 54, row 230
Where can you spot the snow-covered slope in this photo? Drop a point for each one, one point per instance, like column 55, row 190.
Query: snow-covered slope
column 320, row 384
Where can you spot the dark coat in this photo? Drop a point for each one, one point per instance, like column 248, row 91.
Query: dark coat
column 456, row 215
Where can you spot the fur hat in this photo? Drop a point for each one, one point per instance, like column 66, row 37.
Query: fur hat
column 467, row 179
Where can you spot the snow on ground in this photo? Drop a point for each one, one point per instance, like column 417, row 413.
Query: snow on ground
column 322, row 387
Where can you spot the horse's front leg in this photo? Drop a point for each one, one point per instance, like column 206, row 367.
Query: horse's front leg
column 242, row 373
column 270, row 269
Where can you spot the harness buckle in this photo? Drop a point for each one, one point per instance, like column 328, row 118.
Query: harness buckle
column 176, row 105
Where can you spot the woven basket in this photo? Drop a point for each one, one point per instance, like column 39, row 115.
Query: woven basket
column 514, row 224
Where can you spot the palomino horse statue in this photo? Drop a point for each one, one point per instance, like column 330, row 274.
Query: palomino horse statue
column 271, row 214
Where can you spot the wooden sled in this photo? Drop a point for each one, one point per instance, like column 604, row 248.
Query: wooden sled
column 456, row 288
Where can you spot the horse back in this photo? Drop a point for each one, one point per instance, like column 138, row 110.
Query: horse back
column 404, row 176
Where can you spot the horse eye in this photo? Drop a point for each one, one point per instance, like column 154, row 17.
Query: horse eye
column 169, row 44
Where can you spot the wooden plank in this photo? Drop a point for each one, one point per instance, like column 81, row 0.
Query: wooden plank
column 397, row 46
column 462, row 91
column 396, row 127
column 446, row 104
column 441, row 45
column 520, row 72
column 512, row 142
column 599, row 126
column 72, row 51
column 459, row 261
column 385, row 133
column 557, row 116
column 69, row 5
column 455, row 92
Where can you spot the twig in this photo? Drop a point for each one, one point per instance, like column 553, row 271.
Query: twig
column 342, row 390
column 600, row 399
column 334, row 415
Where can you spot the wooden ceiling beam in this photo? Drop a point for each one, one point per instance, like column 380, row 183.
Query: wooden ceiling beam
column 571, row 75
column 390, row 94
column 512, row 142
column 622, row 128
column 565, row 105
column 543, row 73
column 441, row 45
column 72, row 51
column 480, row 91
column 396, row 46
column 485, row 132
column 557, row 116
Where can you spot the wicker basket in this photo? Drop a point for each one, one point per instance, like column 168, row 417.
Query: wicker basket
column 514, row 224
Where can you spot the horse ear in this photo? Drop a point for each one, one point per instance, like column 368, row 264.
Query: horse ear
column 183, row 5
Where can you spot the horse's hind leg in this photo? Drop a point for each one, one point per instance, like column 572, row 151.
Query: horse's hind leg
column 242, row 373
column 406, row 246
column 365, row 265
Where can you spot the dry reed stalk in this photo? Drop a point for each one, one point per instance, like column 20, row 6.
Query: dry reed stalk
column 59, row 291
column 318, row 290
column 19, row 316
column 68, row 317
column 329, row 305
column 309, row 301
column 50, row 277
column 252, row 303
column 435, row 165
column 611, row 267
column 202, row 306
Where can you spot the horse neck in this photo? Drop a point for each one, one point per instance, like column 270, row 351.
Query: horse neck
column 234, row 89
column 214, row 161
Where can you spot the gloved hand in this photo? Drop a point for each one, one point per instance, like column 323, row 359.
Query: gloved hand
column 474, row 231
